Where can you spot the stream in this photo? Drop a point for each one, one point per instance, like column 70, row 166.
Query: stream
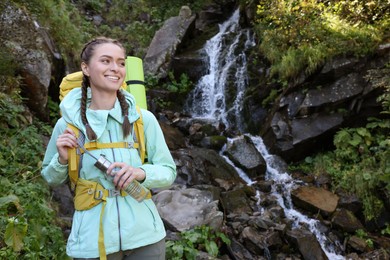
column 208, row 102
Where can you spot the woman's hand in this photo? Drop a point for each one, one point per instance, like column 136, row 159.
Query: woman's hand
column 64, row 141
column 125, row 175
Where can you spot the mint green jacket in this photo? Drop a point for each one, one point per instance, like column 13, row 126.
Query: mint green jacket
column 127, row 224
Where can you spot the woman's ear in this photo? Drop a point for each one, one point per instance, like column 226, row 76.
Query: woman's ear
column 84, row 68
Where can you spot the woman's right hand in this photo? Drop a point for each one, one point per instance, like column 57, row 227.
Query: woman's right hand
column 64, row 141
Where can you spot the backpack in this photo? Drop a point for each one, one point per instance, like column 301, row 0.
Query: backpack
column 70, row 82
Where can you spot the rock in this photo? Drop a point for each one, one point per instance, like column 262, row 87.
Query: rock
column 235, row 202
column 173, row 137
column 346, row 221
column 303, row 121
column 314, row 199
column 166, row 42
column 306, row 243
column 358, row 244
column 244, row 154
column 34, row 54
column 189, row 208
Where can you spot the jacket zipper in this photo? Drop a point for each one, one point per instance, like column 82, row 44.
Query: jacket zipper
column 116, row 201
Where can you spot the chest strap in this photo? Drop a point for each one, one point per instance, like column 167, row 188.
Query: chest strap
column 96, row 145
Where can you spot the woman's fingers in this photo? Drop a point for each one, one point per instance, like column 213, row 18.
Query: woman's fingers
column 64, row 141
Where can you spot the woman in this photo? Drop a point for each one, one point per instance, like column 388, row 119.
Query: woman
column 121, row 227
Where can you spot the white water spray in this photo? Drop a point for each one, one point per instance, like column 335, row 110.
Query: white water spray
column 208, row 101
column 226, row 59
column 281, row 189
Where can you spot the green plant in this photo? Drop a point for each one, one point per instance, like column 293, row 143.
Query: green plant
column 386, row 230
column 184, row 85
column 299, row 36
column 202, row 238
column 28, row 225
column 362, row 234
column 61, row 19
column 271, row 98
column 359, row 164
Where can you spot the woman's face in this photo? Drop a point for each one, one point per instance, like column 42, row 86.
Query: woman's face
column 106, row 68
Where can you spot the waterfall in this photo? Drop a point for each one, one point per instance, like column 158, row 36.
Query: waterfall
column 209, row 100
column 225, row 54
column 281, row 189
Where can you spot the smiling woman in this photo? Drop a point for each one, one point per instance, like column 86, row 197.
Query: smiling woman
column 108, row 223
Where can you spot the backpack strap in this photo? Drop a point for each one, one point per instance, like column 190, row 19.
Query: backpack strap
column 95, row 145
column 140, row 135
column 74, row 155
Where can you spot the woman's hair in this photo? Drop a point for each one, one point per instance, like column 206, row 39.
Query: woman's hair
column 86, row 54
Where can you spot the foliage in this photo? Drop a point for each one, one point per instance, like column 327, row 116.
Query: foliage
column 360, row 163
column 380, row 78
column 202, row 238
column 182, row 87
column 299, row 36
column 386, row 231
column 27, row 220
column 135, row 22
column 7, row 64
column 61, row 19
column 362, row 234
column 271, row 97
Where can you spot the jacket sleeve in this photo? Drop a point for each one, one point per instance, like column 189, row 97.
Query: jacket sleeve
column 52, row 171
column 160, row 169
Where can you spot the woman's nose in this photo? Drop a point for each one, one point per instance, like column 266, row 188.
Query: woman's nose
column 114, row 66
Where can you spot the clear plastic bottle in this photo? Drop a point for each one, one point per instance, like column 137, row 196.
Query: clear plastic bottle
column 134, row 189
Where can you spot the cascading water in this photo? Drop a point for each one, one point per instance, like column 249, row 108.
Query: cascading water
column 282, row 186
column 281, row 189
column 226, row 57
column 209, row 101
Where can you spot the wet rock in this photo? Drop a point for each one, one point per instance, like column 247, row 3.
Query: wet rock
column 358, row 244
column 379, row 254
column 239, row 251
column 259, row 242
column 215, row 142
column 315, row 199
column 346, row 221
column 307, row 244
column 236, row 201
column 244, row 154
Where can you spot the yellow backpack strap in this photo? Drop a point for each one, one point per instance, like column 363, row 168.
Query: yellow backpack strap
column 140, row 135
column 95, row 145
column 73, row 160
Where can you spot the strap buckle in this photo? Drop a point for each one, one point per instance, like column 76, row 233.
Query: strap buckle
column 99, row 195
column 114, row 193
column 130, row 144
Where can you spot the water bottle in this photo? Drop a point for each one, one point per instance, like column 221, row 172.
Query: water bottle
column 134, row 189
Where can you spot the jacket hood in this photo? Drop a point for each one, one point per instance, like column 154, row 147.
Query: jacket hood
column 97, row 119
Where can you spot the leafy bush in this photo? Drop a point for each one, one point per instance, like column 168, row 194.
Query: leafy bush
column 299, row 36
column 28, row 227
column 61, row 19
column 202, row 238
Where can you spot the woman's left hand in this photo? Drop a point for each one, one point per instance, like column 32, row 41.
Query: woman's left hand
column 125, row 175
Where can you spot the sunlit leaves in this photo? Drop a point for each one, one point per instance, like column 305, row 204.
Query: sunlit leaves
column 299, row 36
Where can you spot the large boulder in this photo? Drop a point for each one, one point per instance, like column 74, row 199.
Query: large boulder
column 165, row 43
column 308, row 114
column 34, row 54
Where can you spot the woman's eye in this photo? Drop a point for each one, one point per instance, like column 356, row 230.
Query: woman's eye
column 122, row 64
column 105, row 61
